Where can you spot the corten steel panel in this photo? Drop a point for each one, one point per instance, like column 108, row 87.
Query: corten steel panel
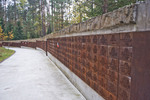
column 113, row 64
column 23, row 43
column 41, row 44
column 126, row 39
column 113, row 52
column 87, row 56
column 103, row 40
column 113, row 39
column 13, row 44
column 5, row 43
column 102, row 61
column 125, row 68
column 125, row 59
column 140, row 89
column 38, row 44
column 31, row 44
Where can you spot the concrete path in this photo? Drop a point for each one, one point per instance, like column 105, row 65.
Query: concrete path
column 30, row 75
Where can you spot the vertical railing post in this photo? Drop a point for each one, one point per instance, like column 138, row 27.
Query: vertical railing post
column 46, row 47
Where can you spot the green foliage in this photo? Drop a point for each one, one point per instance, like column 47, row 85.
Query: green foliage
column 5, row 53
column 18, row 32
column 9, row 28
column 2, row 24
column 35, row 18
column 1, row 9
column 49, row 30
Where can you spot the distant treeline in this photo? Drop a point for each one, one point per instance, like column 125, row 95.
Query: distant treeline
column 36, row 18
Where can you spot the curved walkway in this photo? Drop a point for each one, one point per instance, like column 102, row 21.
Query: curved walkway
column 30, row 75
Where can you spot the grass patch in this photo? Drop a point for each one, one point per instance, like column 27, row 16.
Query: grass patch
column 5, row 53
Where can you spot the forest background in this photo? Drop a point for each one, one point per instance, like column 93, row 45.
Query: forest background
column 24, row 19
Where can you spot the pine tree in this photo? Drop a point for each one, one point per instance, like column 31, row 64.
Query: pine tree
column 1, row 34
column 18, row 32
column 2, row 24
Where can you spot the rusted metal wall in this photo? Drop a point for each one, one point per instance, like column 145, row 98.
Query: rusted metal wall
column 5, row 43
column 19, row 44
column 24, row 43
column 140, row 89
column 102, row 61
column 31, row 44
column 117, row 66
column 41, row 44
column 12, row 44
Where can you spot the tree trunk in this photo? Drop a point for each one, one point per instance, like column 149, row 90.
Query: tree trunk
column 80, row 15
column 105, row 6
column 40, row 17
column 4, row 17
column 15, row 11
column 54, row 17
column 48, row 20
column 52, row 9
column 62, row 15
column 43, row 17
column 92, row 7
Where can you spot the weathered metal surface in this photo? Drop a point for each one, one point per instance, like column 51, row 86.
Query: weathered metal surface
column 31, row 44
column 41, row 44
column 12, row 44
column 96, row 60
column 141, row 66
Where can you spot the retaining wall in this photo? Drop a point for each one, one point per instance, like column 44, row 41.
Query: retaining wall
column 41, row 44
column 106, row 57
column 101, row 61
